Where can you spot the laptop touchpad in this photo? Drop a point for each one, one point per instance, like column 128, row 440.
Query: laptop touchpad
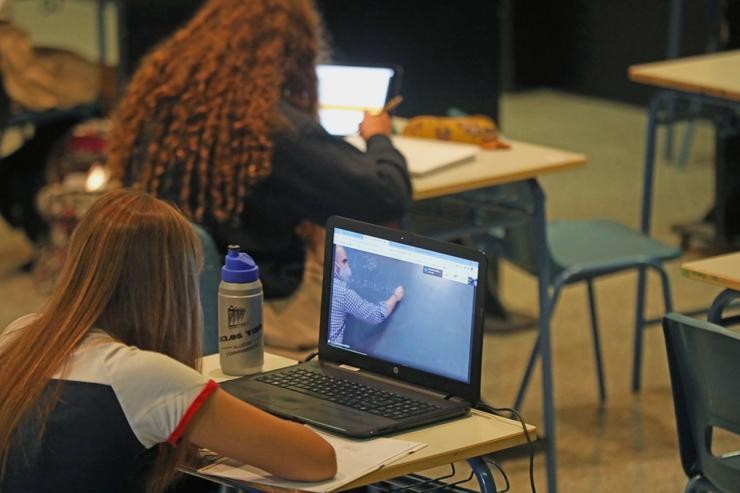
column 275, row 400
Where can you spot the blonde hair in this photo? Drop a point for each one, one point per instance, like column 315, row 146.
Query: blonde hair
column 199, row 111
column 132, row 271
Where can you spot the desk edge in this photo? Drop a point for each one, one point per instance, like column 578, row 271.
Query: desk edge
column 578, row 160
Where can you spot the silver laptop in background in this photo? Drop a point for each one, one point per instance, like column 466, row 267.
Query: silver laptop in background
column 347, row 91
column 389, row 360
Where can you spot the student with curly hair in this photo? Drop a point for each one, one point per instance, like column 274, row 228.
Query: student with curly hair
column 221, row 118
column 100, row 390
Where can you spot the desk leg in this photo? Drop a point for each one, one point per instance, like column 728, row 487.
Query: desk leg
column 639, row 327
column 483, row 475
column 543, row 268
column 647, row 202
column 649, row 164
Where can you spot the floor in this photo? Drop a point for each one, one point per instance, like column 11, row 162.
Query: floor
column 630, row 443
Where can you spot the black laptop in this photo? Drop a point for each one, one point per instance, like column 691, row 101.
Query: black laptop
column 400, row 338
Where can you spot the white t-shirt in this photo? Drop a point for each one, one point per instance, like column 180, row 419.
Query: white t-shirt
column 116, row 403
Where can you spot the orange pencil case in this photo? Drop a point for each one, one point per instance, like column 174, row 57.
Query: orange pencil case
column 474, row 129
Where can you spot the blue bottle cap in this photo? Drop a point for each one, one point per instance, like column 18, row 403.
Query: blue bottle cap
column 239, row 267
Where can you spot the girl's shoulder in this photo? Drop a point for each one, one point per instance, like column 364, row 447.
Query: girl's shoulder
column 154, row 391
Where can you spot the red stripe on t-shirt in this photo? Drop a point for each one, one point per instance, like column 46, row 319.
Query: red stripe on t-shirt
column 176, row 434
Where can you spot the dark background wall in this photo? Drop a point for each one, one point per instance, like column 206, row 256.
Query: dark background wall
column 585, row 46
column 450, row 50
column 464, row 53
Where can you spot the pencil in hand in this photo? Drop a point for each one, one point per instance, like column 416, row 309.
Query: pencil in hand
column 391, row 105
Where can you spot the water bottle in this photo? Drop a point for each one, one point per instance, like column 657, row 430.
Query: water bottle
column 240, row 338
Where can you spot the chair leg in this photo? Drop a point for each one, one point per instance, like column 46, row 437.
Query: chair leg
column 640, row 315
column 639, row 326
column 597, row 341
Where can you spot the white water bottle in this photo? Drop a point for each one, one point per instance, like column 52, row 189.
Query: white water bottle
column 240, row 335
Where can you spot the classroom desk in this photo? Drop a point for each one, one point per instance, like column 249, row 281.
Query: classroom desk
column 722, row 270
column 523, row 162
column 465, row 438
column 716, row 74
column 710, row 81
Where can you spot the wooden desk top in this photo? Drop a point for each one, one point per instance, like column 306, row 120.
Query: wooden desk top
column 722, row 270
column 496, row 167
column 716, row 74
column 474, row 435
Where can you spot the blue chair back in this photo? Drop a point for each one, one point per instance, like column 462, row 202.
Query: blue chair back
column 210, row 277
column 704, row 363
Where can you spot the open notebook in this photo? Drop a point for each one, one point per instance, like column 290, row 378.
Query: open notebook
column 426, row 155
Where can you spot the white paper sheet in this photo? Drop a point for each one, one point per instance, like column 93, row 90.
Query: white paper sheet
column 426, row 155
column 355, row 458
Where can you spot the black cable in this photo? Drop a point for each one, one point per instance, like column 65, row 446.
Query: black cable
column 310, row 357
column 501, row 470
column 498, row 410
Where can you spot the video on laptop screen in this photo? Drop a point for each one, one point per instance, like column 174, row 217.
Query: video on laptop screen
column 346, row 92
column 402, row 304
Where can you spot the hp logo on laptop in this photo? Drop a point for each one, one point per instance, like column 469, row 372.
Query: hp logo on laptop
column 395, row 370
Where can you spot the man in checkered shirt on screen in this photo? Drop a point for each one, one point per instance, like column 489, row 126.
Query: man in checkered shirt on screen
column 345, row 301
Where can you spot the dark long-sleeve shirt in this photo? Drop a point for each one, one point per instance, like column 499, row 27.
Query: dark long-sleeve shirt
column 314, row 175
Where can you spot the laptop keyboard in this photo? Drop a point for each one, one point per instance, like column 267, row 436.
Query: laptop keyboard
column 348, row 393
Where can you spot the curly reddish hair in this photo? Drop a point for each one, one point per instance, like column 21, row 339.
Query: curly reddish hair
column 201, row 107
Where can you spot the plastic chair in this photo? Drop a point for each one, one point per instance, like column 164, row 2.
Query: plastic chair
column 581, row 250
column 704, row 363
column 210, row 277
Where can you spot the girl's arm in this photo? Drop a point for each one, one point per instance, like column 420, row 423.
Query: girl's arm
column 235, row 429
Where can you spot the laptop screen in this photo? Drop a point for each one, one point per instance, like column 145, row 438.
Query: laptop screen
column 346, row 92
column 402, row 304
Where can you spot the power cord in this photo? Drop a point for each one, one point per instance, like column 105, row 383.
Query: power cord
column 501, row 470
column 482, row 406
column 310, row 357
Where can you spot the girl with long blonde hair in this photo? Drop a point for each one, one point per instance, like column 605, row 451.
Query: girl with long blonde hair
column 100, row 391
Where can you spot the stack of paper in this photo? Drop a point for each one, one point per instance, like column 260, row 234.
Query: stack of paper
column 426, row 155
column 355, row 459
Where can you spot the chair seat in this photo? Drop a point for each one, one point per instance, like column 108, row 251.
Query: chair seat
column 584, row 244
